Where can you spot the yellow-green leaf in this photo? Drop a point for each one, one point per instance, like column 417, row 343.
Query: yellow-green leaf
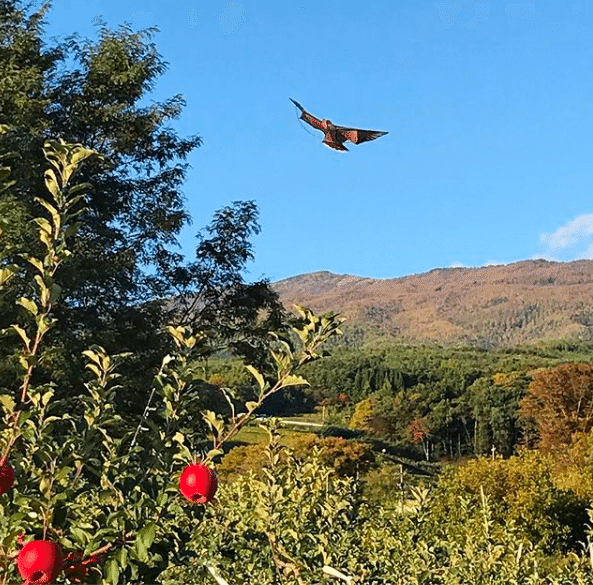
column 42, row 324
column 35, row 262
column 294, row 381
column 147, row 534
column 214, row 453
column 27, row 304
column 43, row 224
column 47, row 396
column 51, row 182
column 141, row 550
column 179, row 438
column 44, row 296
column 122, row 556
column 7, row 402
column 45, row 486
column 7, row 273
column 92, row 356
column 93, row 368
column 257, row 375
column 23, row 335
column 177, row 333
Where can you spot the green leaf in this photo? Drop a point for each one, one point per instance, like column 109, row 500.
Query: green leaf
column 56, row 290
column 79, row 535
column 147, row 534
column 251, row 406
column 72, row 229
column 112, row 571
column 141, row 550
column 77, row 189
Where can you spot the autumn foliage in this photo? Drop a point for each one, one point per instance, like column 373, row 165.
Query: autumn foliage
column 559, row 404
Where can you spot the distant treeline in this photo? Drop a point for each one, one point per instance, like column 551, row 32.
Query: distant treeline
column 449, row 402
column 453, row 401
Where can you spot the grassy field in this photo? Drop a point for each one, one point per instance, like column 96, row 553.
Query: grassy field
column 312, row 417
column 253, row 433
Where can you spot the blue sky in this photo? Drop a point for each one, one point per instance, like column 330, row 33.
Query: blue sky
column 489, row 109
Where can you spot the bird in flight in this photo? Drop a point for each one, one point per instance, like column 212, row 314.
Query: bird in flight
column 335, row 136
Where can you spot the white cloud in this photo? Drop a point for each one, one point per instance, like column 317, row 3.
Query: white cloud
column 576, row 235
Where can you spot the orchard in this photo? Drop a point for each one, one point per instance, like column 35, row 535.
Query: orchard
column 88, row 497
column 82, row 500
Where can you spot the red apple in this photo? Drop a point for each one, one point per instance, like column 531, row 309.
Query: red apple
column 40, row 562
column 6, row 477
column 198, row 483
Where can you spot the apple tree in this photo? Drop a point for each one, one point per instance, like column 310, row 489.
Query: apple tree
column 107, row 494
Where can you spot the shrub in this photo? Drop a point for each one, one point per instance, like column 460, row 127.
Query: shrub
column 348, row 458
column 523, row 498
column 240, row 460
column 574, row 467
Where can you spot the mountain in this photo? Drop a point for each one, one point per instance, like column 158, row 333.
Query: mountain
column 491, row 306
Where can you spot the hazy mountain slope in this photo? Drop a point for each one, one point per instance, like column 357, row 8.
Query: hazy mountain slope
column 528, row 301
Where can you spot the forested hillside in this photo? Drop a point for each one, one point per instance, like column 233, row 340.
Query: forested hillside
column 451, row 401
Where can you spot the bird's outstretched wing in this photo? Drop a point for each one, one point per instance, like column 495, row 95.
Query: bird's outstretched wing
column 297, row 104
column 357, row 136
column 309, row 118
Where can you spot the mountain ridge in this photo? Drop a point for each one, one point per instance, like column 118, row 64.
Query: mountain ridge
column 490, row 306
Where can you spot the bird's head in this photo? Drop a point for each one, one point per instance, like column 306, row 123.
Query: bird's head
column 325, row 123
